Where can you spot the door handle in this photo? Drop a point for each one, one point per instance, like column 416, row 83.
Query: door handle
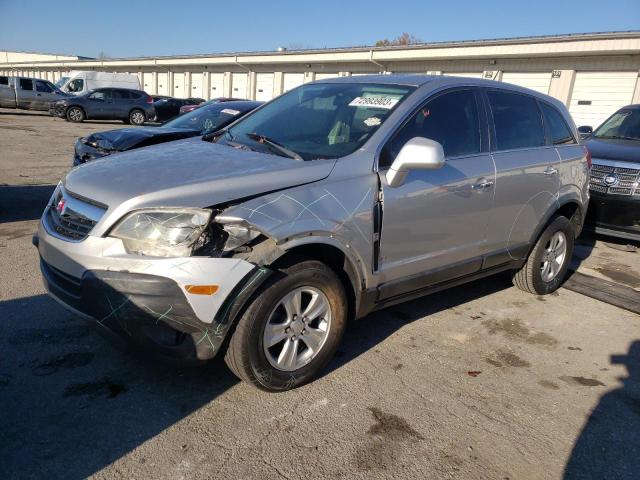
column 39, row 95
column 551, row 171
column 483, row 184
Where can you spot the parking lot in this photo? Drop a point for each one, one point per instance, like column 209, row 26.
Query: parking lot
column 482, row 381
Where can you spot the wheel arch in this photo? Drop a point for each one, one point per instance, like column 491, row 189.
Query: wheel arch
column 336, row 259
column 568, row 206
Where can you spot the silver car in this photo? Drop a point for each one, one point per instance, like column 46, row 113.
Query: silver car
column 260, row 241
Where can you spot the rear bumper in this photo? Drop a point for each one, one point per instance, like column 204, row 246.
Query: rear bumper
column 615, row 215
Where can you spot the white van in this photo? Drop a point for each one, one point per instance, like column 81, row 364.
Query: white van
column 77, row 82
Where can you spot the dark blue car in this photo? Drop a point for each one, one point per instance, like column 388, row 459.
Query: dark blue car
column 198, row 122
column 131, row 106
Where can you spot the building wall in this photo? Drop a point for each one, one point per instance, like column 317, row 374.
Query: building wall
column 555, row 64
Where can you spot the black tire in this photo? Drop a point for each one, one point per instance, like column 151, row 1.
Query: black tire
column 137, row 117
column 529, row 278
column 75, row 114
column 245, row 355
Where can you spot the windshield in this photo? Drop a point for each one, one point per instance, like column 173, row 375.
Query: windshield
column 319, row 120
column 210, row 118
column 624, row 125
column 61, row 82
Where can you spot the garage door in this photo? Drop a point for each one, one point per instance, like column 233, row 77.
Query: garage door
column 239, row 85
column 216, row 85
column 196, row 85
column 323, row 76
column 596, row 95
column 163, row 84
column 264, row 87
column 179, row 85
column 535, row 81
column 464, row 74
column 147, row 82
column 292, row 80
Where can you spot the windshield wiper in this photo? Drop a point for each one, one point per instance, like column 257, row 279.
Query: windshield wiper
column 274, row 146
column 213, row 136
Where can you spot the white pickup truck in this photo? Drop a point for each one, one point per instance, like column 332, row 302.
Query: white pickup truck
column 28, row 93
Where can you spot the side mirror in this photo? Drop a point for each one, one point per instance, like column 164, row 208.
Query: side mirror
column 585, row 131
column 417, row 154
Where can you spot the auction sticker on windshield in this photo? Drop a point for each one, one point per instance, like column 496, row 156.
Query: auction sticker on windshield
column 375, row 102
column 230, row 111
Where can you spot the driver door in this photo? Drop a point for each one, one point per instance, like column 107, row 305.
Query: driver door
column 434, row 225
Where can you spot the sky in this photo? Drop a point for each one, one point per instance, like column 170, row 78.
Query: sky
column 127, row 28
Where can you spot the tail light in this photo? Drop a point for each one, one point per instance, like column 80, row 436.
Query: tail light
column 587, row 154
column 149, row 99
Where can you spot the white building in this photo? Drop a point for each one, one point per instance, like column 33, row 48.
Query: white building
column 594, row 74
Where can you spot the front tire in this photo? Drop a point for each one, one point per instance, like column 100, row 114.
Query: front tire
column 75, row 114
column 291, row 329
column 136, row 117
column 549, row 260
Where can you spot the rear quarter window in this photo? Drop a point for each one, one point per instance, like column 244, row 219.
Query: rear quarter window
column 516, row 119
column 557, row 129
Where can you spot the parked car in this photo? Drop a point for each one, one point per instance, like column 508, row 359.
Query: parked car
column 131, row 106
column 169, row 107
column 27, row 93
column 204, row 120
column 78, row 82
column 614, row 208
column 335, row 199
column 192, row 106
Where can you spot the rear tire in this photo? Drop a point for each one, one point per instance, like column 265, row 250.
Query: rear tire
column 137, row 117
column 270, row 347
column 549, row 260
column 75, row 114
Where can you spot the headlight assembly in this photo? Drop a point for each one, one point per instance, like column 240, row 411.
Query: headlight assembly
column 162, row 232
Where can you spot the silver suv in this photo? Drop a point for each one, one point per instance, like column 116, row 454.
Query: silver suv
column 338, row 198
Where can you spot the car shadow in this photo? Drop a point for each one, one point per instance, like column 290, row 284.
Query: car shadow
column 608, row 445
column 364, row 334
column 72, row 405
column 582, row 249
column 23, row 202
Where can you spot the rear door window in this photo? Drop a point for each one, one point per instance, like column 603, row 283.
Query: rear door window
column 26, row 84
column 450, row 119
column 558, row 131
column 4, row 80
column 44, row 87
column 516, row 119
column 120, row 95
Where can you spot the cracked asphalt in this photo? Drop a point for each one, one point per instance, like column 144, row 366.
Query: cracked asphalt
column 482, row 381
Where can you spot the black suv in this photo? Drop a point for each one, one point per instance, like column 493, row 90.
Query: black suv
column 614, row 208
column 130, row 106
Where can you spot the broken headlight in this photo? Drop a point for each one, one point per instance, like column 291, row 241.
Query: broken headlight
column 162, row 232
column 237, row 236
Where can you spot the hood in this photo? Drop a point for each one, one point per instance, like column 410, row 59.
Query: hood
column 186, row 173
column 128, row 138
column 612, row 149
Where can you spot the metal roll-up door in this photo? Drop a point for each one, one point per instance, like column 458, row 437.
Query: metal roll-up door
column 292, row 80
column 147, row 82
column 596, row 95
column 163, row 83
column 264, row 86
column 534, row 80
column 216, row 85
column 239, row 85
column 196, row 85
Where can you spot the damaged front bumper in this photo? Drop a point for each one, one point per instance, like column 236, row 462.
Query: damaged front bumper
column 147, row 300
column 83, row 153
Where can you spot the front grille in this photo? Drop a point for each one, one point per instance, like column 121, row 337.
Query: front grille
column 65, row 219
column 614, row 180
